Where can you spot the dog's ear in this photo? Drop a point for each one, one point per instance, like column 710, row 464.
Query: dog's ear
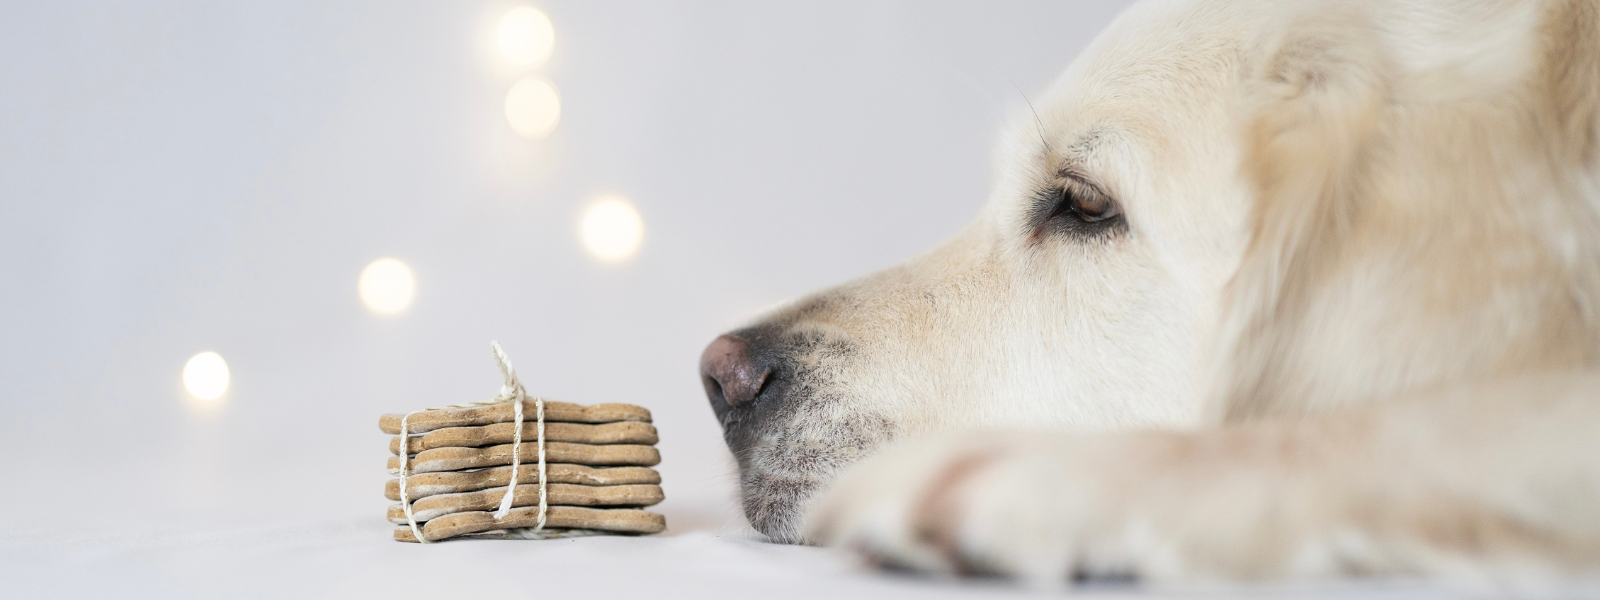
column 1317, row 94
column 1446, row 130
column 1569, row 79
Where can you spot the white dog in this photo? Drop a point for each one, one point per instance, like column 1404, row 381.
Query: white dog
column 1263, row 290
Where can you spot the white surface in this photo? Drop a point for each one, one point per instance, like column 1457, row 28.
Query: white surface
column 179, row 177
column 349, row 558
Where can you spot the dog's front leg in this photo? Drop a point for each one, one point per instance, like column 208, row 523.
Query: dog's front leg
column 1494, row 484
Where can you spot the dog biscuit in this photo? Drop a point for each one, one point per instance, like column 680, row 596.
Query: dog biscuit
column 560, row 494
column 504, row 412
column 456, row 459
column 621, row 432
column 617, row 520
column 422, row 485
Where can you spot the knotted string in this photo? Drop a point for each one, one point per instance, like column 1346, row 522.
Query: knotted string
column 405, row 471
column 510, row 391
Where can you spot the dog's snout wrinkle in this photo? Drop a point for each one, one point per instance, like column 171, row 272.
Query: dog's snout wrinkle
column 731, row 374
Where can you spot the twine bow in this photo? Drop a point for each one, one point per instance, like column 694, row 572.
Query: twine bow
column 510, row 391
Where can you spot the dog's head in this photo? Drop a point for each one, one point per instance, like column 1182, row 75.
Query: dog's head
column 1076, row 300
column 1157, row 206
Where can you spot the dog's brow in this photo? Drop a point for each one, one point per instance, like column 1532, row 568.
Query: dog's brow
column 1085, row 145
column 1074, row 157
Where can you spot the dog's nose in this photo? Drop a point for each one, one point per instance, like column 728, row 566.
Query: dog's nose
column 732, row 376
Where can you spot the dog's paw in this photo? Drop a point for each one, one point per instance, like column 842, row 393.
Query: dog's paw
column 1049, row 509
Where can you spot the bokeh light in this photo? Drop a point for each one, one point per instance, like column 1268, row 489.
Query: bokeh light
column 525, row 36
column 206, row 376
column 533, row 108
column 387, row 286
column 611, row 230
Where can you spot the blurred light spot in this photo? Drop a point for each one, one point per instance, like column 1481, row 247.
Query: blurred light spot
column 533, row 108
column 387, row 286
column 611, row 229
column 206, row 376
column 525, row 36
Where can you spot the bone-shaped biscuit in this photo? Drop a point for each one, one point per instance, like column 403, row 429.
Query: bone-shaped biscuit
column 619, row 520
column 422, row 485
column 560, row 494
column 504, row 412
column 621, row 432
column 456, row 459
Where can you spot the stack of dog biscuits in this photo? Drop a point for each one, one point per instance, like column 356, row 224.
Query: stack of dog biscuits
column 459, row 463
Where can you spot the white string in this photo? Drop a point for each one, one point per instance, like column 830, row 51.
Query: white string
column 538, row 411
column 405, row 452
column 510, row 391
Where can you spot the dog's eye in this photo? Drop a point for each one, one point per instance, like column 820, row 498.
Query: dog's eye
column 1088, row 206
column 1075, row 206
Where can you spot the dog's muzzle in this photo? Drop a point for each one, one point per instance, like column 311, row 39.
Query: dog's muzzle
column 750, row 378
column 773, row 387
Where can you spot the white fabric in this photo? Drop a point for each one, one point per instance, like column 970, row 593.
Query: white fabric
column 354, row 557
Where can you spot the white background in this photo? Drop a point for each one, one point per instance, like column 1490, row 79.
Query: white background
column 183, row 176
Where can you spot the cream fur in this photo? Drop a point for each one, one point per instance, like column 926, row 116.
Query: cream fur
column 1344, row 331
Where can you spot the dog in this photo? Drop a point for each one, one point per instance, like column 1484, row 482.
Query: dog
column 1263, row 290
